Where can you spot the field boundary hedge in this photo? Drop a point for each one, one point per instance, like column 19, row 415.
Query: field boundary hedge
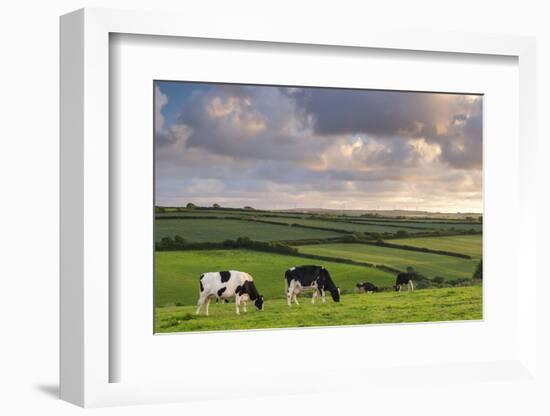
column 178, row 243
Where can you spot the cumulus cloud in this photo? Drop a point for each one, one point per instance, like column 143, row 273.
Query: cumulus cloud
column 277, row 147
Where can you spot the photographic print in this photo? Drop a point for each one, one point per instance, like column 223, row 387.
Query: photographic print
column 289, row 206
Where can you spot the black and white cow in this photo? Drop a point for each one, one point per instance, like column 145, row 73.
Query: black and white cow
column 315, row 278
column 404, row 279
column 366, row 287
column 225, row 285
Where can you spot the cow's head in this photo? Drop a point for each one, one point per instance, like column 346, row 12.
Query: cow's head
column 259, row 303
column 396, row 287
column 335, row 293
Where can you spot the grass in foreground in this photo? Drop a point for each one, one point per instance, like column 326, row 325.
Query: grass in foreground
column 428, row 264
column 459, row 303
column 177, row 272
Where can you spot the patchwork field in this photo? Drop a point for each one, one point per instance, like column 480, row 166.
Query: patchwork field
column 459, row 303
column 428, row 264
column 218, row 225
column 204, row 230
column 470, row 245
column 177, row 272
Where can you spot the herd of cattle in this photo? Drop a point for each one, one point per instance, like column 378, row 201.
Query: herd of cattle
column 225, row 285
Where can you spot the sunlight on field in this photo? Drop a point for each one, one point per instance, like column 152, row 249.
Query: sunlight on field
column 464, row 244
column 428, row 264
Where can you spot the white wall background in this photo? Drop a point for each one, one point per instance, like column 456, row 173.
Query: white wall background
column 29, row 179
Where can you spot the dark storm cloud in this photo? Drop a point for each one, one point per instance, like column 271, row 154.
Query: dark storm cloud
column 452, row 121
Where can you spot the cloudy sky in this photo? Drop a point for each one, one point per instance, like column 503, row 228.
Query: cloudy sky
column 278, row 147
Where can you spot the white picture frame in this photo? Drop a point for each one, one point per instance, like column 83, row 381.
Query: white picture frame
column 85, row 211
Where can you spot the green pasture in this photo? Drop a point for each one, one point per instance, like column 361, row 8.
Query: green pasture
column 458, row 303
column 426, row 225
column 177, row 272
column 428, row 264
column 343, row 225
column 205, row 230
column 470, row 245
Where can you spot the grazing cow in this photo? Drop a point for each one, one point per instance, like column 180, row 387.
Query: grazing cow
column 366, row 287
column 404, row 279
column 225, row 285
column 314, row 278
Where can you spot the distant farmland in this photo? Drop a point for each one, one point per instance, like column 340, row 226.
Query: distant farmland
column 212, row 230
column 343, row 225
column 459, row 226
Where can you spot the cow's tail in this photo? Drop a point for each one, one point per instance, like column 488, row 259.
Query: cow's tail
column 201, row 287
column 286, row 281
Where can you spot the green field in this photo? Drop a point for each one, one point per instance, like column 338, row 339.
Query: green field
column 177, row 272
column 459, row 303
column 428, row 264
column 205, row 230
column 464, row 244
column 427, row 225
column 342, row 225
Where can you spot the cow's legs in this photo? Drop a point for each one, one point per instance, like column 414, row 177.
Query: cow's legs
column 199, row 304
column 295, row 299
column 289, row 292
column 206, row 304
column 411, row 286
column 323, row 296
column 315, row 294
column 237, row 304
column 244, row 306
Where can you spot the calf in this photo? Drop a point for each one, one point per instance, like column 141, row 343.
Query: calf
column 404, row 279
column 315, row 278
column 366, row 287
column 225, row 285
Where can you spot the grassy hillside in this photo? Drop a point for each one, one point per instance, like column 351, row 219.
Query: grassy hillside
column 464, row 244
column 428, row 264
column 205, row 230
column 177, row 272
column 462, row 303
